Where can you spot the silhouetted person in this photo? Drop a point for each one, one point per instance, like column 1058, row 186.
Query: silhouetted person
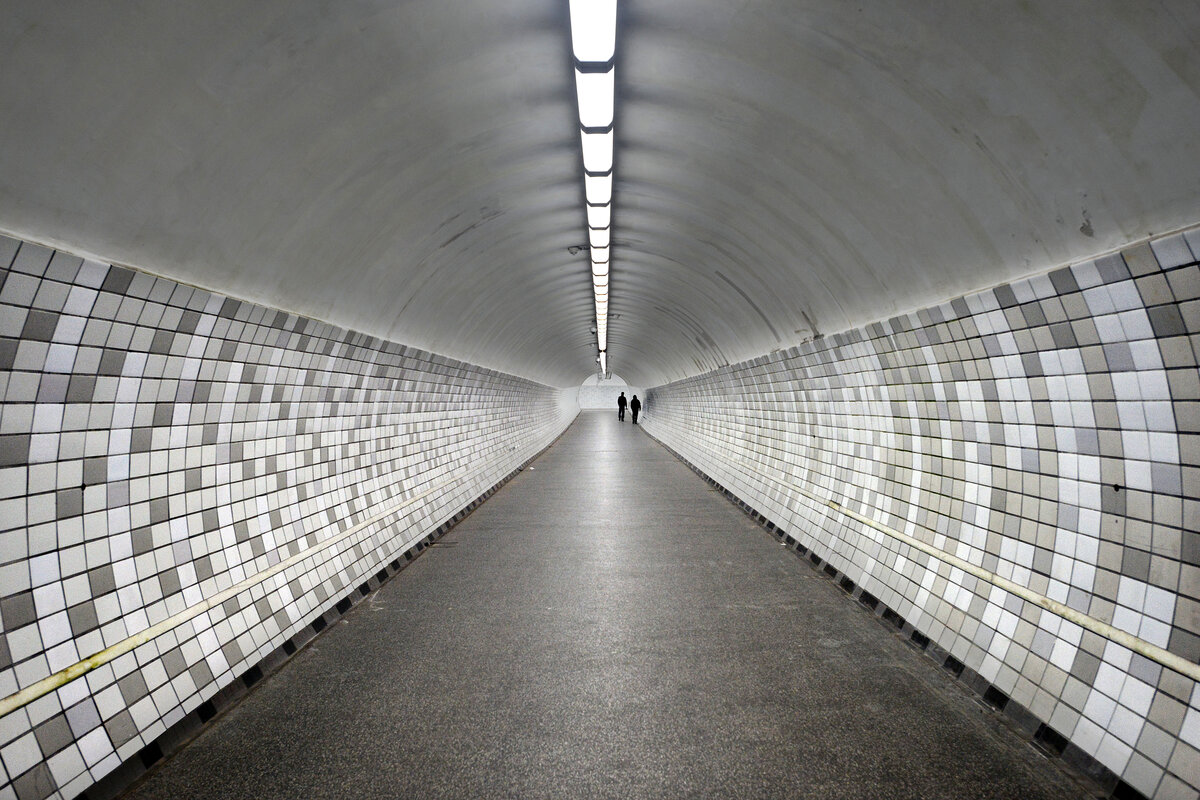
column 635, row 406
column 621, row 408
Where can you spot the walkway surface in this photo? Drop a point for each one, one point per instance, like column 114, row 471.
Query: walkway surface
column 606, row 625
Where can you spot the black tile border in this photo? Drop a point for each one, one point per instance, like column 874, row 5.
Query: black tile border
column 167, row 744
column 1096, row 777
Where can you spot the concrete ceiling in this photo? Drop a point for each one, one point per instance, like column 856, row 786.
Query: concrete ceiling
column 411, row 169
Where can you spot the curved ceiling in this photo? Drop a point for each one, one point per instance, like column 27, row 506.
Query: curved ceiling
column 784, row 168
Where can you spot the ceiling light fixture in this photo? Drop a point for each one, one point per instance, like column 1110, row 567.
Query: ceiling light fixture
column 594, row 44
column 597, row 189
column 599, row 216
column 597, row 151
column 594, row 91
column 594, row 29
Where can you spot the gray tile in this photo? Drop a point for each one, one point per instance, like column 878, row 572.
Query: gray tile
column 32, row 259
column 18, row 610
column 8, row 251
column 14, row 449
column 120, row 728
column 35, row 784
column 83, row 618
column 83, row 717
column 133, row 687
column 1167, row 321
column 40, row 325
column 117, row 280
column 54, row 734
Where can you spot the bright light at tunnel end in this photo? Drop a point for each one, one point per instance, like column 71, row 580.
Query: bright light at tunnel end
column 594, row 44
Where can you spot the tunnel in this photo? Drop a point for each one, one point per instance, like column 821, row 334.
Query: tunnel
column 312, row 320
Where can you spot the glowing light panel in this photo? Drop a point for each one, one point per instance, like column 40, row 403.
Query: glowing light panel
column 598, row 188
column 597, row 151
column 594, row 29
column 595, row 93
column 599, row 216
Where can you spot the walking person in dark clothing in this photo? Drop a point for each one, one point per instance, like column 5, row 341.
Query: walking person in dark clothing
column 635, row 406
column 621, row 408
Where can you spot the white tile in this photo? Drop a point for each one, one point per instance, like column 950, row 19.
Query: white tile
column 60, row 357
column 1126, row 725
column 66, row 765
column 1099, row 708
column 21, row 754
column 1171, row 251
column 95, row 746
column 1113, row 753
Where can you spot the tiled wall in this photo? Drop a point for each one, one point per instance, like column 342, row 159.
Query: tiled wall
column 1047, row 431
column 158, row 444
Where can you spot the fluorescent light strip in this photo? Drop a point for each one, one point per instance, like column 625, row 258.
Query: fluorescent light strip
column 599, row 216
column 593, row 42
column 594, row 90
column 598, row 189
column 594, row 29
column 597, row 151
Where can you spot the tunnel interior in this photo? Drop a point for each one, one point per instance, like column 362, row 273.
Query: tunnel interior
column 288, row 289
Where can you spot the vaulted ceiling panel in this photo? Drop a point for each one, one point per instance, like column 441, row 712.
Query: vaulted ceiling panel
column 783, row 169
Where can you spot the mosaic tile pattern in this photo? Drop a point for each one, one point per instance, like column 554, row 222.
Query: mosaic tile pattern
column 1048, row 431
column 160, row 443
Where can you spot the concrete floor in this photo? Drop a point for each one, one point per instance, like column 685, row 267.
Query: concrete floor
column 608, row 626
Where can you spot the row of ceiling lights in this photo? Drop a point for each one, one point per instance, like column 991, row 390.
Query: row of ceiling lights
column 593, row 42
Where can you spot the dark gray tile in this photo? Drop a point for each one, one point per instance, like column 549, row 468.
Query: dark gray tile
column 117, row 280
column 1085, row 667
column 40, row 325
column 1064, row 281
column 18, row 610
column 120, row 728
column 53, row 735
column 69, row 502
column 1167, row 321
column 35, row 784
column 101, row 580
column 133, row 687
column 83, row 617
column 1004, row 296
column 81, row 388
column 14, row 449
column 1135, row 564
